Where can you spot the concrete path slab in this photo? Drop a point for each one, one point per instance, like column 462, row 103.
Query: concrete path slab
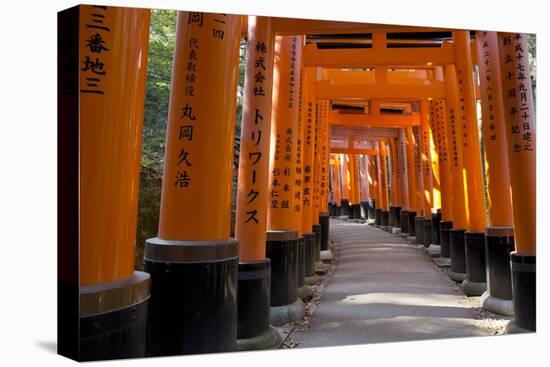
column 385, row 290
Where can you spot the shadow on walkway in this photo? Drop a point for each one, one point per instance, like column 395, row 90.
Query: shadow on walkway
column 385, row 290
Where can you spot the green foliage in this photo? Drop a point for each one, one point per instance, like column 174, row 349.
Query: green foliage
column 159, row 71
column 162, row 38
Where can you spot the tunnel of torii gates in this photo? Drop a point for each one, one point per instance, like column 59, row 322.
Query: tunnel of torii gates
column 348, row 119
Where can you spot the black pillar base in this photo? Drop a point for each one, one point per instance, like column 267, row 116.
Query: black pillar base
column 301, row 259
column 364, row 210
column 113, row 319
column 193, row 305
column 317, row 230
column 385, row 222
column 282, row 250
column 371, row 208
column 345, row 209
column 323, row 221
column 458, row 258
column 427, row 232
column 499, row 243
column 419, row 229
column 445, row 238
column 309, row 248
column 337, row 211
column 524, row 290
column 253, row 298
column 436, row 220
column 355, row 212
column 377, row 217
column 474, row 251
column 404, row 221
column 411, row 224
column 395, row 216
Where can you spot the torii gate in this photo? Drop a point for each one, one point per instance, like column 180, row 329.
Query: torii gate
column 282, row 206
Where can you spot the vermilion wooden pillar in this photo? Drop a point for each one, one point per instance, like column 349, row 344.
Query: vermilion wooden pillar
column 194, row 253
column 521, row 137
column 475, row 282
column 254, row 285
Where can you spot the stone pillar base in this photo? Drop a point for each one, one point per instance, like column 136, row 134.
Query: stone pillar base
column 497, row 305
column 473, row 289
column 270, row 339
column 282, row 315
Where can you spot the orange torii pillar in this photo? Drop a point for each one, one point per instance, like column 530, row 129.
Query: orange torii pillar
column 432, row 239
column 383, row 210
column 445, row 178
column 372, row 182
column 304, row 291
column 331, row 189
column 410, row 215
column 345, row 209
column 475, row 282
column 323, row 175
column 352, row 185
column 337, row 184
column 356, row 187
column 499, row 235
column 193, row 261
column 364, row 187
column 417, row 171
column 457, row 271
column 403, row 214
column 330, row 186
column 316, row 226
column 426, row 207
column 103, row 303
column 394, row 208
column 254, row 274
column 308, row 151
column 519, row 111
column 282, row 234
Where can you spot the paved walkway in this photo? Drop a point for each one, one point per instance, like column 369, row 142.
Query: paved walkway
column 384, row 289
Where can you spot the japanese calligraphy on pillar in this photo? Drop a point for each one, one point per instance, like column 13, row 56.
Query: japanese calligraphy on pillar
column 276, row 174
column 488, row 77
column 454, row 131
column 202, row 28
column 462, row 105
column 517, row 92
column 292, row 79
column 316, row 155
column 307, row 196
column 254, row 140
column 323, row 182
column 441, row 133
column 94, row 63
column 300, row 133
column 283, row 175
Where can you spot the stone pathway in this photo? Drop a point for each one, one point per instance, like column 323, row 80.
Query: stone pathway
column 385, row 290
